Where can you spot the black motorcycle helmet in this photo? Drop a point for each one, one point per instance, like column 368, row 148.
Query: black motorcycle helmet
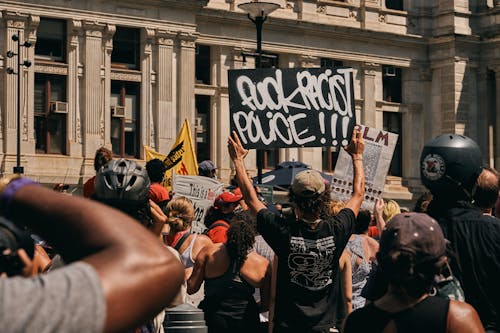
column 124, row 185
column 450, row 165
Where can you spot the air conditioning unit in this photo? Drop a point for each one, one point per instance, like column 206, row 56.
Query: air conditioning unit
column 389, row 71
column 58, row 107
column 117, row 111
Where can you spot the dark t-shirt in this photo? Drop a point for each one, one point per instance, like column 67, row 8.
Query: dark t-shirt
column 475, row 242
column 430, row 315
column 308, row 263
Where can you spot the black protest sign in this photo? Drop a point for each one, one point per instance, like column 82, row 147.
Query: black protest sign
column 295, row 107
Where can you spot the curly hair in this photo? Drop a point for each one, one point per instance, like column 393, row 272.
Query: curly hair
column 156, row 170
column 319, row 203
column 180, row 213
column 240, row 240
column 102, row 156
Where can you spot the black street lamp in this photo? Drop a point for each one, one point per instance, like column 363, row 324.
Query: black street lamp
column 257, row 13
column 26, row 63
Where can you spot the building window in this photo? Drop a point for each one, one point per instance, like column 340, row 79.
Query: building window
column 391, row 82
column 393, row 124
column 50, row 114
column 202, row 127
column 203, row 64
column 126, row 48
column 269, row 60
column 51, row 40
column 327, row 62
column 125, row 118
column 329, row 158
column 394, row 4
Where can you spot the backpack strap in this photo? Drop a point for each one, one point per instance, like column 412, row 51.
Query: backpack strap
column 181, row 241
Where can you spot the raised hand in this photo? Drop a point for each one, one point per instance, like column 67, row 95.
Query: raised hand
column 235, row 148
column 357, row 145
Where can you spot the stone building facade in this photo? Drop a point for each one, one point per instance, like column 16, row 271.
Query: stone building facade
column 124, row 74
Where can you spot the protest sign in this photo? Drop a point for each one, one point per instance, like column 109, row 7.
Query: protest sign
column 377, row 156
column 295, row 107
column 202, row 191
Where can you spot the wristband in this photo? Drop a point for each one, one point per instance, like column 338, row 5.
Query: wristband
column 9, row 190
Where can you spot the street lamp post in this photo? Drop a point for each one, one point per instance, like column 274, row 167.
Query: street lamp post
column 257, row 13
column 26, row 63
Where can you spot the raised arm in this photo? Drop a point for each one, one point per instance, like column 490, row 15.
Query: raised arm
column 355, row 149
column 138, row 276
column 238, row 154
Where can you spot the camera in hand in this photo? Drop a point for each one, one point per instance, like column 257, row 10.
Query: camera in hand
column 12, row 239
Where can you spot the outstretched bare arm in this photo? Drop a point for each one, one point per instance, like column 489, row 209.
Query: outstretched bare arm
column 138, row 275
column 238, row 154
column 355, row 149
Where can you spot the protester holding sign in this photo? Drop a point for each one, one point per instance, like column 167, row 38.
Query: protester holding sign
column 308, row 246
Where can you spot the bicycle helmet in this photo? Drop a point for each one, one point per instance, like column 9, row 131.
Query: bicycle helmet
column 450, row 165
column 122, row 180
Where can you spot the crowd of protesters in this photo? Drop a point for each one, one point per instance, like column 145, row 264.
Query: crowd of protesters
column 116, row 260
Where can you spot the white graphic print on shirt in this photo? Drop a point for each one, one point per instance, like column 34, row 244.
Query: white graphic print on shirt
column 310, row 262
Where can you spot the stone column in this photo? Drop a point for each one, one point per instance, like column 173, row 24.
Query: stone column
column 105, row 114
column 368, row 116
column 74, row 126
column 147, row 131
column 185, row 79
column 93, row 89
column 482, row 122
column 28, row 123
column 165, row 115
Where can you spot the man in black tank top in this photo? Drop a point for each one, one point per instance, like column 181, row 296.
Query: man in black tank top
column 412, row 249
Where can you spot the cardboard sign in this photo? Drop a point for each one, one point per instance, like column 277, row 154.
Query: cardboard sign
column 202, row 191
column 377, row 157
column 295, row 107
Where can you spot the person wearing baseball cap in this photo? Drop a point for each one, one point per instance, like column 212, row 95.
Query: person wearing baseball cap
column 412, row 251
column 308, row 244
column 219, row 216
column 207, row 168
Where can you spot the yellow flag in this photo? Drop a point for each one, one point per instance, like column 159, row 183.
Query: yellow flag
column 181, row 159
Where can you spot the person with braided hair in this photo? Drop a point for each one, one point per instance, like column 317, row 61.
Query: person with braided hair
column 231, row 271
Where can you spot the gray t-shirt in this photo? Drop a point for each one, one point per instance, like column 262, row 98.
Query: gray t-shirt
column 69, row 299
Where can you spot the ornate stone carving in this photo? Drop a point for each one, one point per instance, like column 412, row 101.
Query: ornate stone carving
column 321, row 10
column 187, row 40
column 52, row 68
column 75, row 32
column 33, row 23
column 308, row 60
column 165, row 37
column 123, row 75
column 370, row 68
column 149, row 35
column 381, row 18
column 93, row 28
column 107, row 37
